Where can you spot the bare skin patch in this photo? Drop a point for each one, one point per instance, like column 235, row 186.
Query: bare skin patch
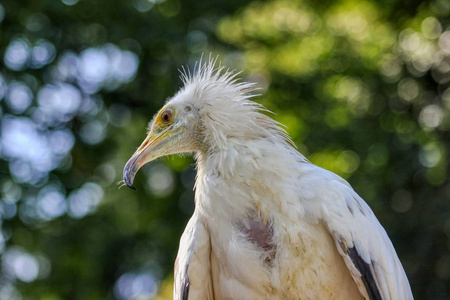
column 261, row 235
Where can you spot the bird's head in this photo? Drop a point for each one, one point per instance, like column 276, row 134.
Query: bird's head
column 211, row 112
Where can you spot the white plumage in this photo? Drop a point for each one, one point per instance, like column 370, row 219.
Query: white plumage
column 267, row 223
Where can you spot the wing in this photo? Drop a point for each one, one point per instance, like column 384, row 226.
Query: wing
column 192, row 266
column 360, row 239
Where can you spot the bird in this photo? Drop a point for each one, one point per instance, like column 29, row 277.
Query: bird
column 267, row 223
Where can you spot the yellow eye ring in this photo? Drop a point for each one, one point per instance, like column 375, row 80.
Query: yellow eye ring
column 166, row 116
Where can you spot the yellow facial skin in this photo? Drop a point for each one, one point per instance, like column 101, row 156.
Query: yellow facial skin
column 156, row 144
column 175, row 129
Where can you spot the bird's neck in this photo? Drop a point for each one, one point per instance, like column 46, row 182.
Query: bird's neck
column 248, row 177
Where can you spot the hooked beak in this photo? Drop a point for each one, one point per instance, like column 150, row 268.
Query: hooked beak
column 152, row 148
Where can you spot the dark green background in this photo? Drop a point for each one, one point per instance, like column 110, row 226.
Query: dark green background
column 363, row 87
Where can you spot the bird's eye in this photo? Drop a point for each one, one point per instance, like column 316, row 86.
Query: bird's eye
column 166, row 116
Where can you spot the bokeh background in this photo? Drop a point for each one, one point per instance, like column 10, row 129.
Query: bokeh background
column 363, row 86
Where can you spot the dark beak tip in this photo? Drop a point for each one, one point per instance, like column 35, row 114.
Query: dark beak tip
column 128, row 182
column 128, row 177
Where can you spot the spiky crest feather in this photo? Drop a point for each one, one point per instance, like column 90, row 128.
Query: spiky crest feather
column 225, row 103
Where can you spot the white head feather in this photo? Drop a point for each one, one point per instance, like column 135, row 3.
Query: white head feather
column 228, row 115
column 213, row 115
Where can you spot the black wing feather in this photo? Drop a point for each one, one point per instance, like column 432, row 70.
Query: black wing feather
column 366, row 274
column 185, row 289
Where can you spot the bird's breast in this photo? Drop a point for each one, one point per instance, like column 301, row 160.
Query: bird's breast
column 261, row 245
column 277, row 261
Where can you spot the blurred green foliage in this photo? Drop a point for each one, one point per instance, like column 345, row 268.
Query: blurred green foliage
column 362, row 86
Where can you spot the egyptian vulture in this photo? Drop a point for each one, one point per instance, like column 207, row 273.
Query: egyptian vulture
column 267, row 223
